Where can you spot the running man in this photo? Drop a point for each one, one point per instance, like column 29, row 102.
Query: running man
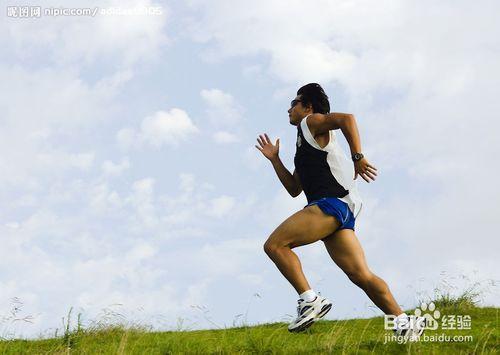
column 326, row 175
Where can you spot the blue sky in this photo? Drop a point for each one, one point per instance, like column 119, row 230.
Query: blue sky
column 130, row 182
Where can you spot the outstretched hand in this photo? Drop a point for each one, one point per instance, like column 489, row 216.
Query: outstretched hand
column 365, row 170
column 267, row 148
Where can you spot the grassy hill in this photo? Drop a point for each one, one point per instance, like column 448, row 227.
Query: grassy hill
column 342, row 336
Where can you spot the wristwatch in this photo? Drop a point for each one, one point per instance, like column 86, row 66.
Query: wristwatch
column 357, row 156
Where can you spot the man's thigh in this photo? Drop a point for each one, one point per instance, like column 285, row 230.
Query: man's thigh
column 304, row 227
column 346, row 251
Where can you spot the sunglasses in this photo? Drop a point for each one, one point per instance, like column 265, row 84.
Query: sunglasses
column 295, row 102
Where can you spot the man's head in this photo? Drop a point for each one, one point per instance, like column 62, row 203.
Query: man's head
column 310, row 99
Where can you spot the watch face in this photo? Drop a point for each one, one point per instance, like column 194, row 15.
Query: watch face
column 358, row 156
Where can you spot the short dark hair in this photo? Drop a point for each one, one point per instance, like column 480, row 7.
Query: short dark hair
column 314, row 95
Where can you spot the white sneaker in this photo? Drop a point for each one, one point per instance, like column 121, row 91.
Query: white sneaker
column 309, row 312
column 411, row 328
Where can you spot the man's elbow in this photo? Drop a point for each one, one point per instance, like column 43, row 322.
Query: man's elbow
column 347, row 118
column 350, row 118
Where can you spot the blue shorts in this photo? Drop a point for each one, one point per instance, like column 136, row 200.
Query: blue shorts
column 339, row 209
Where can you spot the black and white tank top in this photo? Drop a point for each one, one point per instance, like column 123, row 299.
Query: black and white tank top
column 325, row 172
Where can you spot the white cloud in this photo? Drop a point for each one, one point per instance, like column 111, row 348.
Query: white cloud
column 359, row 44
column 50, row 97
column 59, row 160
column 47, row 113
column 169, row 128
column 112, row 169
column 82, row 161
column 12, row 225
column 223, row 137
column 223, row 110
column 161, row 128
column 229, row 256
column 143, row 202
column 48, row 101
column 253, row 72
column 127, row 138
column 64, row 40
column 221, row 206
column 187, row 183
column 141, row 251
column 103, row 201
column 122, row 239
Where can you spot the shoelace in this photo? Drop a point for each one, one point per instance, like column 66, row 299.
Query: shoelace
column 300, row 303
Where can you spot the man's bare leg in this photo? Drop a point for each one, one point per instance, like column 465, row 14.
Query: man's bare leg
column 303, row 227
column 346, row 251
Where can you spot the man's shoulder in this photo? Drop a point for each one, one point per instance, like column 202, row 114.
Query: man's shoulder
column 315, row 121
column 319, row 123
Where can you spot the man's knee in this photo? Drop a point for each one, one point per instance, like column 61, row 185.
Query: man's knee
column 272, row 246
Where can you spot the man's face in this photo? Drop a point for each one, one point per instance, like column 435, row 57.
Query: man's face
column 297, row 111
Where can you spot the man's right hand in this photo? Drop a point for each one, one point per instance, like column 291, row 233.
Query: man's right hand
column 267, row 148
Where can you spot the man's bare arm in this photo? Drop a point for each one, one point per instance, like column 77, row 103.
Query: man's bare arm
column 297, row 181
column 271, row 152
column 288, row 180
column 319, row 123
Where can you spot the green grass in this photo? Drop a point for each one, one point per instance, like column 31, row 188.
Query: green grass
column 342, row 336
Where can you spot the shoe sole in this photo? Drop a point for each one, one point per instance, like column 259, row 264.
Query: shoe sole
column 303, row 326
